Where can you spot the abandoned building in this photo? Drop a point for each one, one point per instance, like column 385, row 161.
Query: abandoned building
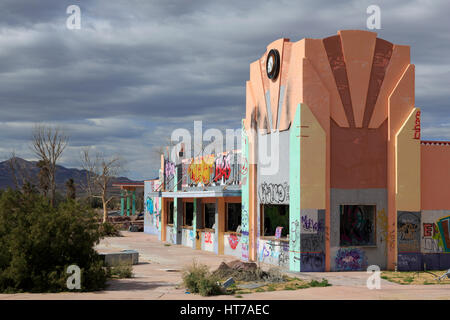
column 354, row 186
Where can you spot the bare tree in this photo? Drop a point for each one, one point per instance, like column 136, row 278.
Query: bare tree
column 48, row 144
column 100, row 172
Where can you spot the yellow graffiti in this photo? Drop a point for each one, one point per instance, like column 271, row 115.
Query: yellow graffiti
column 383, row 225
column 200, row 171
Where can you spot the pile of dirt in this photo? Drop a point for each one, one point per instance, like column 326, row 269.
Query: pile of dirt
column 246, row 271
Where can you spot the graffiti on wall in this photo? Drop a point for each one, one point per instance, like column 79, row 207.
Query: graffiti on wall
column 436, row 235
column 200, row 172
column 171, row 235
column 311, row 224
column 223, row 168
column 208, row 237
column 244, row 166
column 244, row 234
column 212, row 169
column 417, row 126
column 350, row 259
column 312, row 242
column 295, row 233
column 169, row 169
column 153, row 210
column 382, row 225
column 357, row 225
column 274, row 252
column 312, row 261
column 233, row 240
column 408, row 231
column 273, row 193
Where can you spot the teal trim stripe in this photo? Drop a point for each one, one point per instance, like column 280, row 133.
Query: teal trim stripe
column 294, row 193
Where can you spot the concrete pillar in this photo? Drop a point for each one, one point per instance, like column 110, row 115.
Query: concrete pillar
column 122, row 203
column 133, row 210
column 128, row 204
column 163, row 219
column 220, row 224
column 197, row 224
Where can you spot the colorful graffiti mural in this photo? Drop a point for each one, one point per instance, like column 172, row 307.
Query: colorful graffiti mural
column 223, row 168
column 408, row 231
column 200, row 171
column 350, row 259
column 436, row 235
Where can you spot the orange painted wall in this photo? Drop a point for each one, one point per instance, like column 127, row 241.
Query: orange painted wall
column 358, row 157
column 435, row 176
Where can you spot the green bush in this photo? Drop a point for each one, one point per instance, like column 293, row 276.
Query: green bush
column 198, row 279
column 323, row 283
column 38, row 243
column 108, row 229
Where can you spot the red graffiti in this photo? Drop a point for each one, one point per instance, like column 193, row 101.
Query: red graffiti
column 417, row 126
column 244, row 167
column 233, row 240
column 427, row 229
column 223, row 168
column 208, row 238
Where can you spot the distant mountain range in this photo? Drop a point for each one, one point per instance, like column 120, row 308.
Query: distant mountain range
column 29, row 170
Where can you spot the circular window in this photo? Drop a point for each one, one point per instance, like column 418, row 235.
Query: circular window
column 273, row 64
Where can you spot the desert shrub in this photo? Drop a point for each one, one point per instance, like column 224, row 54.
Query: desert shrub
column 123, row 270
column 108, row 229
column 38, row 243
column 198, row 279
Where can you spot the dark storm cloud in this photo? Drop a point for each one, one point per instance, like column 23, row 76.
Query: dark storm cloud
column 139, row 69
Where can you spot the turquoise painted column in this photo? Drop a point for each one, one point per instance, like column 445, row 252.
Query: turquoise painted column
column 128, row 204
column 133, row 209
column 194, row 225
column 245, row 195
column 294, row 193
column 122, row 203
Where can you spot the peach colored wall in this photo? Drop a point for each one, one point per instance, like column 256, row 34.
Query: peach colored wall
column 358, row 157
column 435, row 176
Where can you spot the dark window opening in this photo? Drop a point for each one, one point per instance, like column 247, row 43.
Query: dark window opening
column 188, row 213
column 234, row 214
column 170, row 213
column 210, row 215
column 357, row 225
column 275, row 216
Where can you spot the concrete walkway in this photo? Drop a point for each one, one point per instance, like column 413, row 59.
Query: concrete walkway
column 158, row 276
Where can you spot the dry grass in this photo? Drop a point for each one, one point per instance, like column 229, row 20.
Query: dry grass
column 414, row 277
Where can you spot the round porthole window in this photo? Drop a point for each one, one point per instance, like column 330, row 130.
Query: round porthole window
column 273, row 64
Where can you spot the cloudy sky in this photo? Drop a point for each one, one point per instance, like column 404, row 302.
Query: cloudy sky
column 136, row 70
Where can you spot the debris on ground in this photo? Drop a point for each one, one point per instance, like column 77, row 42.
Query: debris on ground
column 228, row 282
column 247, row 271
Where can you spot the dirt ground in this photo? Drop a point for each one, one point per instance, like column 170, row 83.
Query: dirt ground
column 158, row 276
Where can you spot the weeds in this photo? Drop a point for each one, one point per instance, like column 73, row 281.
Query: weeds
column 198, row 279
column 123, row 270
